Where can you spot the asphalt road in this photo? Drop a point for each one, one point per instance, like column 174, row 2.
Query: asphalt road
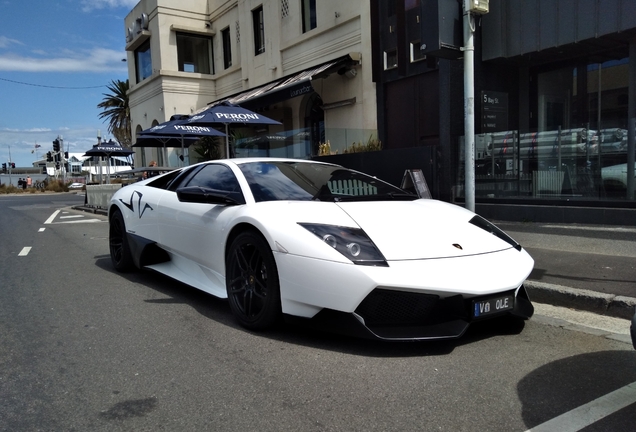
column 85, row 348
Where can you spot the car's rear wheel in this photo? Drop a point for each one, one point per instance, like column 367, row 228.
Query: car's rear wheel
column 119, row 249
column 253, row 288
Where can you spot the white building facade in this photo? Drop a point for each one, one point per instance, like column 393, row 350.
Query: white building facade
column 305, row 63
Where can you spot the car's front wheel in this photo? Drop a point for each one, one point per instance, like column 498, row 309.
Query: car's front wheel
column 118, row 241
column 252, row 281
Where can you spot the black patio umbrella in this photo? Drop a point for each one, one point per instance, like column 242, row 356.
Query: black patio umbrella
column 226, row 113
column 174, row 133
column 109, row 149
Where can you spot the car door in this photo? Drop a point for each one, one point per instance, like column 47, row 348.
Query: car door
column 197, row 231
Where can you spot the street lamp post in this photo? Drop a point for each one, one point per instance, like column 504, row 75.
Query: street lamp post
column 471, row 8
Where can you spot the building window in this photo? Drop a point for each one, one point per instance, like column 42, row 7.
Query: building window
column 309, row 15
column 390, row 59
column 227, row 48
column 259, row 30
column 143, row 61
column 416, row 52
column 194, row 53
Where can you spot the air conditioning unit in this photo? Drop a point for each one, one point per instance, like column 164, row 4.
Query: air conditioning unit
column 478, row 7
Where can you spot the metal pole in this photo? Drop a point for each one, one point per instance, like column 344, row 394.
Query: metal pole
column 631, row 120
column 469, row 111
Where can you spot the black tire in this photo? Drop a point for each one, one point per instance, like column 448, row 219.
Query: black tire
column 118, row 241
column 253, row 288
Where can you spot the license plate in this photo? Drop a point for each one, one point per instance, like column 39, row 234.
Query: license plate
column 492, row 306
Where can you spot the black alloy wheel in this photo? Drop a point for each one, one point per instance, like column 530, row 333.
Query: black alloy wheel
column 252, row 283
column 118, row 241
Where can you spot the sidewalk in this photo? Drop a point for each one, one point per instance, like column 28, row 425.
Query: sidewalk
column 584, row 267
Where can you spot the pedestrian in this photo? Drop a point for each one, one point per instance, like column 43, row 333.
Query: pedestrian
column 29, row 182
column 148, row 174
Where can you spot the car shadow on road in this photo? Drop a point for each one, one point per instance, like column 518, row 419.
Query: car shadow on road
column 563, row 385
column 218, row 310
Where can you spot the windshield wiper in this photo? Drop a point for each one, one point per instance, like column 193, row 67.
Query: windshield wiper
column 398, row 196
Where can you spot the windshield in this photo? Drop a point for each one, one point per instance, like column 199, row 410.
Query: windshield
column 305, row 181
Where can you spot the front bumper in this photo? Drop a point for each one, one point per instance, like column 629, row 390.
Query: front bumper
column 409, row 300
column 403, row 316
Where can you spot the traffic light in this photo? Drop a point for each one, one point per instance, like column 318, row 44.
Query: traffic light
column 56, row 145
column 4, row 167
column 12, row 164
column 49, row 157
column 65, row 155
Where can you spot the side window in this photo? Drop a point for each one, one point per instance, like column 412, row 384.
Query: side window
column 194, row 53
column 143, row 62
column 259, row 30
column 218, row 177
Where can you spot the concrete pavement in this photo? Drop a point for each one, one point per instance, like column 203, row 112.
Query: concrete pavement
column 584, row 267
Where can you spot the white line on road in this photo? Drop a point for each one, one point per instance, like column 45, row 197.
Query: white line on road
column 71, row 217
column 80, row 221
column 50, row 219
column 41, row 229
column 589, row 413
column 25, row 251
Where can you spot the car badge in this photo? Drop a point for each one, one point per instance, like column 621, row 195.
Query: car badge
column 458, row 246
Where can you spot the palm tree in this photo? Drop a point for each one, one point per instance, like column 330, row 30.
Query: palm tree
column 117, row 111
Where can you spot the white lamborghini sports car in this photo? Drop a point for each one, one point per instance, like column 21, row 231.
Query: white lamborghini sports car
column 323, row 244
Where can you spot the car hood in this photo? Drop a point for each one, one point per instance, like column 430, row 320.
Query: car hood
column 422, row 229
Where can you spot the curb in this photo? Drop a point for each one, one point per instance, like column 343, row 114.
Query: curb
column 94, row 210
column 581, row 299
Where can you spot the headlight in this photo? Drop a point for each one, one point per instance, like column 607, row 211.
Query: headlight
column 353, row 243
column 493, row 229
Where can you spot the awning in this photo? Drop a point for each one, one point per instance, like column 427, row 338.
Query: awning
column 291, row 86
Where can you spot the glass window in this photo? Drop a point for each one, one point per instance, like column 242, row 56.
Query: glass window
column 309, row 15
column 576, row 148
column 390, row 59
column 416, row 52
column 143, row 61
column 259, row 30
column 220, row 178
column 272, row 181
column 194, row 53
column 227, row 48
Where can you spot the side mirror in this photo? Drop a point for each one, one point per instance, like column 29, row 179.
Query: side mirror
column 203, row 195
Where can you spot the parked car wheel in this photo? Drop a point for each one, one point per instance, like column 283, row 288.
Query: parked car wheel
column 252, row 281
column 119, row 249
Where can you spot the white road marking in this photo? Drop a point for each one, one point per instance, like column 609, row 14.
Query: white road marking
column 25, row 251
column 41, row 229
column 50, row 219
column 589, row 413
column 80, row 221
column 55, row 213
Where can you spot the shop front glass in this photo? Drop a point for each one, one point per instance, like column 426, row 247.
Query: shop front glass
column 578, row 149
column 306, row 142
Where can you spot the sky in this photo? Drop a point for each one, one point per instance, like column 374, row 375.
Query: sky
column 56, row 59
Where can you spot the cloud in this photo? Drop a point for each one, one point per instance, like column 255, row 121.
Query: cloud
column 89, row 5
column 98, row 60
column 5, row 42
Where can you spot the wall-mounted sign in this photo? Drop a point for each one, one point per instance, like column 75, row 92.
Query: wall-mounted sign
column 494, row 111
